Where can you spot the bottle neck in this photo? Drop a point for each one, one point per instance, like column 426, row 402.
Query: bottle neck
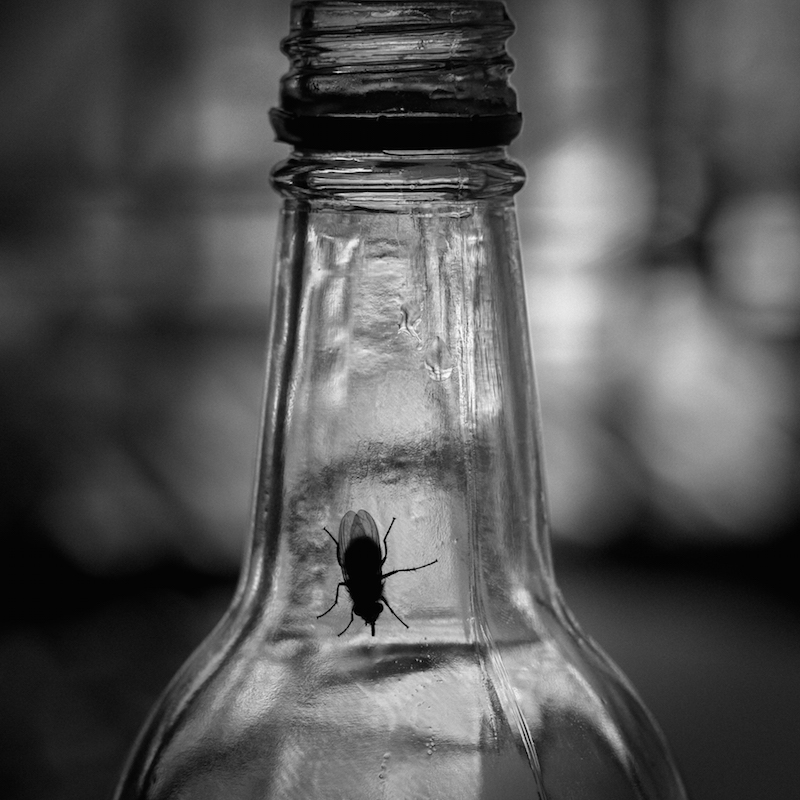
column 400, row 382
column 397, row 73
column 398, row 180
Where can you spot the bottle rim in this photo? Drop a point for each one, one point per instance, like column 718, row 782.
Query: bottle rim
column 412, row 74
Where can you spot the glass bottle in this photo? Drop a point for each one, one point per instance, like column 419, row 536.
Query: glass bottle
column 397, row 631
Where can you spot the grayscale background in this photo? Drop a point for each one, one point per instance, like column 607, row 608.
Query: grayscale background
column 661, row 236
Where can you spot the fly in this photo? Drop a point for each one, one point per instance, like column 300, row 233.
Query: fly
column 359, row 554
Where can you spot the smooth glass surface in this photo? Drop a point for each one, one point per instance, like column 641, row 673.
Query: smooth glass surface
column 400, row 382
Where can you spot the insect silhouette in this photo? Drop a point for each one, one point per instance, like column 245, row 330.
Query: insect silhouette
column 359, row 554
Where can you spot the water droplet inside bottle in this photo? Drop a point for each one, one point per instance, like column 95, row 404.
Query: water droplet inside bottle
column 410, row 320
column 384, row 766
column 438, row 360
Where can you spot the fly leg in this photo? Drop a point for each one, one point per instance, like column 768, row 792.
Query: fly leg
column 335, row 601
column 386, row 546
column 336, row 542
column 408, row 569
column 386, row 602
column 349, row 623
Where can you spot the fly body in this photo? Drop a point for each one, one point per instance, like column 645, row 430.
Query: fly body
column 361, row 558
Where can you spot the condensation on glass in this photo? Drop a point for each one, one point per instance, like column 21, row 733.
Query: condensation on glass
column 399, row 382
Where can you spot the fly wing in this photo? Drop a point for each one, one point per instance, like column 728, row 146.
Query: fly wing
column 356, row 526
column 368, row 527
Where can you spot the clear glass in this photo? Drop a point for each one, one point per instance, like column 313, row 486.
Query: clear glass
column 400, row 382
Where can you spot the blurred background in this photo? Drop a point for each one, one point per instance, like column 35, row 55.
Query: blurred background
column 661, row 236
